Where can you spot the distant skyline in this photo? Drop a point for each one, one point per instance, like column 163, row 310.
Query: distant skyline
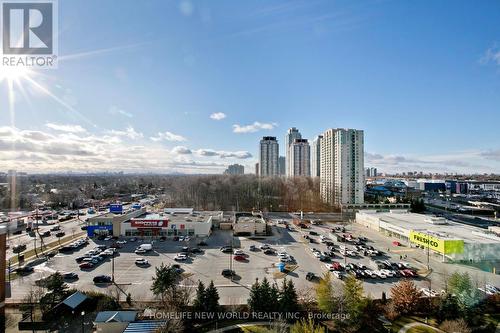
column 192, row 86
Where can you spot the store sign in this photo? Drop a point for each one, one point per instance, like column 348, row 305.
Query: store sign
column 445, row 246
column 149, row 223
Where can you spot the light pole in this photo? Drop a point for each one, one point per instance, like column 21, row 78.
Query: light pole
column 83, row 323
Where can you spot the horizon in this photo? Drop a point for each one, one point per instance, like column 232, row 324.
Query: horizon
column 190, row 87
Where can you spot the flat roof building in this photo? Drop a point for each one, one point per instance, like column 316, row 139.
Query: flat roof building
column 249, row 224
column 453, row 241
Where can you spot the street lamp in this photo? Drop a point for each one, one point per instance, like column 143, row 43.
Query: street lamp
column 83, row 317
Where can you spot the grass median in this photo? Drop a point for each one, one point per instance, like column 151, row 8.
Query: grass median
column 47, row 247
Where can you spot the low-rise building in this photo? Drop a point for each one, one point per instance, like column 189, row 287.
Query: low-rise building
column 109, row 223
column 249, row 224
column 451, row 241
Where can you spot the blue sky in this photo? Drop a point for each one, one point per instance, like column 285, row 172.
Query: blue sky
column 137, row 83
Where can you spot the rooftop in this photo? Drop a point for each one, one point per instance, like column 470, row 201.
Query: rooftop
column 115, row 316
column 177, row 217
column 441, row 228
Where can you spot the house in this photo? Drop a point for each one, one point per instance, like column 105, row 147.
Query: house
column 114, row 321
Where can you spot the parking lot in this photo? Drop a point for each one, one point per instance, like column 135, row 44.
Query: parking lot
column 208, row 265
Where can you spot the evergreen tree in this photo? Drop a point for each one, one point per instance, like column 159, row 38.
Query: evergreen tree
column 212, row 298
column 288, row 301
column 325, row 295
column 199, row 302
column 255, row 299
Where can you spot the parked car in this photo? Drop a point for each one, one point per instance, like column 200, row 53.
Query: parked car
column 252, row 248
column 180, row 257
column 25, row 270
column 238, row 252
column 139, row 250
column 228, row 272
column 19, row 248
column 55, row 228
column 310, row 276
column 202, row 243
column 264, row 247
column 226, row 249
column 269, row 251
column 86, row 265
column 141, row 262
column 239, row 258
column 46, row 234
column 60, row 234
column 196, row 250
column 102, row 279
column 70, row 276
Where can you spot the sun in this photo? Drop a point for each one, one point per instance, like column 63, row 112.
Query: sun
column 14, row 74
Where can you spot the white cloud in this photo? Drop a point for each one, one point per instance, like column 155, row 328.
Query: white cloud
column 492, row 55
column 168, row 136
column 66, row 128
column 186, row 7
column 114, row 110
column 181, row 150
column 224, row 154
column 129, row 132
column 255, row 127
column 218, row 116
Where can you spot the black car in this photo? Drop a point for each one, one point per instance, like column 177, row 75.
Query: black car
column 202, row 243
column 24, row 270
column 83, row 227
column 65, row 249
column 60, row 234
column 311, row 276
column 196, row 250
column 51, row 254
column 313, row 233
column 46, row 234
column 228, row 273
column 269, row 251
column 70, row 276
column 17, row 232
column 19, row 248
column 226, row 249
column 55, row 228
column 80, row 259
column 102, row 279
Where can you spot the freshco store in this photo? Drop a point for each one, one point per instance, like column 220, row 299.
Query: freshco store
column 451, row 241
column 197, row 224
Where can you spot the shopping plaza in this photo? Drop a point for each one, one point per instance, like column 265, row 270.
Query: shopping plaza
column 140, row 223
column 449, row 240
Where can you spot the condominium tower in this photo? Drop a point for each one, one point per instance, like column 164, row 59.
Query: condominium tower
column 342, row 167
column 292, row 134
column 268, row 156
column 300, row 162
column 316, row 156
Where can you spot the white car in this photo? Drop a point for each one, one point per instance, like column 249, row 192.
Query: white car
column 108, row 238
column 429, row 292
column 141, row 261
column 181, row 238
column 387, row 272
column 491, row 288
column 264, row 247
column 380, row 274
column 317, row 254
column 286, row 259
column 338, row 274
column 180, row 257
column 187, row 239
column 370, row 273
column 121, row 242
column 282, row 254
column 238, row 252
column 140, row 251
column 329, row 267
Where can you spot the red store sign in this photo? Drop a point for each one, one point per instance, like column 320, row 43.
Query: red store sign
column 149, row 223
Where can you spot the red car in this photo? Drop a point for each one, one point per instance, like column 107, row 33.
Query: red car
column 86, row 265
column 239, row 258
column 396, row 243
column 336, row 266
column 408, row 273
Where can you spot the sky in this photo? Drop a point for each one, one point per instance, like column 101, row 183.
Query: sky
column 191, row 86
